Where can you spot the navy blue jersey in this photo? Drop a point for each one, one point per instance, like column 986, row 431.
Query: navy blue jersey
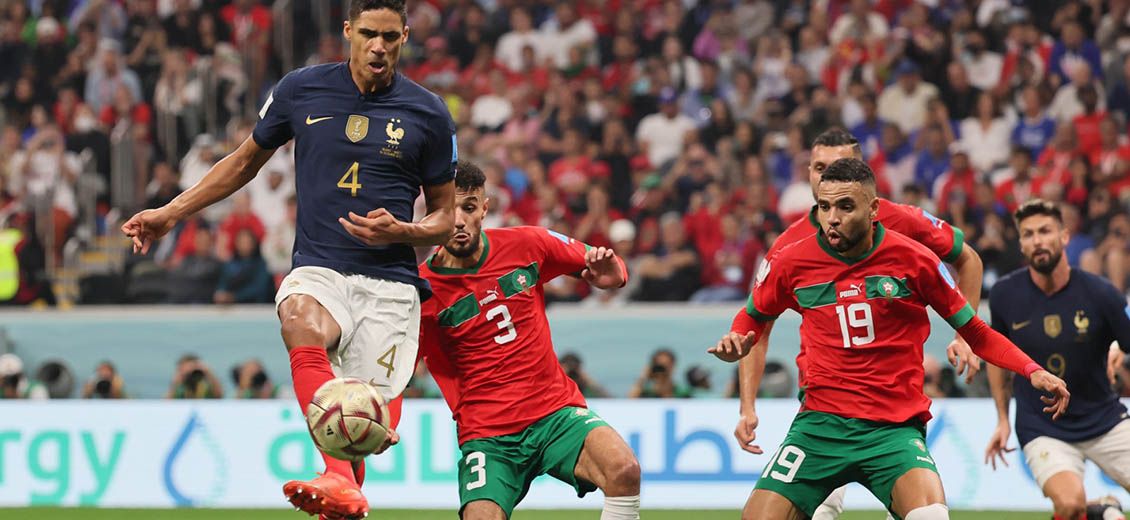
column 1069, row 334
column 357, row 152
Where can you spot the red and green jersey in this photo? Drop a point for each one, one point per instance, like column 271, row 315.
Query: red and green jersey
column 863, row 321
column 936, row 234
column 485, row 336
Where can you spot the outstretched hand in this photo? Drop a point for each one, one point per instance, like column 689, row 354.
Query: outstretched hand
column 733, row 346
column 963, row 359
column 147, row 226
column 1057, row 404
column 998, row 445
column 601, row 268
column 746, row 433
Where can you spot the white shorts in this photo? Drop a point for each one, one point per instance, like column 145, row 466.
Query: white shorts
column 379, row 321
column 1110, row 452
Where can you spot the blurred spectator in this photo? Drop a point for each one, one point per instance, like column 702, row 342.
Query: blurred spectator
column 662, row 134
column 959, row 96
column 698, row 381
column 197, row 276
column 658, row 379
column 934, row 159
column 904, row 102
column 245, row 278
column 776, row 381
column 241, row 218
column 105, row 384
column 1066, row 104
column 1087, row 123
column 57, row 377
column 1015, row 182
column 673, row 272
column 1034, row 129
column 108, row 76
column 1074, row 50
column 194, row 380
column 252, row 382
column 566, row 31
column 1119, row 99
column 933, row 377
column 982, row 65
column 279, row 244
column 572, row 365
column 508, row 51
column 14, row 384
column 986, row 135
column 1111, row 159
column 163, row 188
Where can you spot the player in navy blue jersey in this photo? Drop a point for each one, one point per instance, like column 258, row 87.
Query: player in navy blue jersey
column 1065, row 319
column 366, row 140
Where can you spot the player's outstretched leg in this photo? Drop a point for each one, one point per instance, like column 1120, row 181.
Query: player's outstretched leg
column 608, row 462
column 918, row 495
column 307, row 330
column 1069, row 500
column 832, row 506
column 763, row 503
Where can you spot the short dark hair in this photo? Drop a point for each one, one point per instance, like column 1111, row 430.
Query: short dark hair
column 356, row 7
column 836, row 136
column 468, row 176
column 849, row 170
column 1038, row 207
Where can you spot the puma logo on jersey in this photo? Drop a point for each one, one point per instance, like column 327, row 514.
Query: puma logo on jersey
column 310, row 121
column 1021, row 325
column 491, row 296
column 855, row 290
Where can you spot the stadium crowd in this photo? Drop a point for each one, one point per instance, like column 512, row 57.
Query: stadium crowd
column 676, row 132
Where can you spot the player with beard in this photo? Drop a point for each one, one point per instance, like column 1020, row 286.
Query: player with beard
column 862, row 292
column 1065, row 319
column 486, row 340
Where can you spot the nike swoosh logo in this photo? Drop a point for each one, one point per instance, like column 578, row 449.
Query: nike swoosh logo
column 1021, row 325
column 320, row 119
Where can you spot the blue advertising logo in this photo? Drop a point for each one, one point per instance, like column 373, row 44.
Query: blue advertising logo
column 194, row 427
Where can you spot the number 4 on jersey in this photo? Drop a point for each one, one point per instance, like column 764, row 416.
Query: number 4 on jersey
column 352, row 185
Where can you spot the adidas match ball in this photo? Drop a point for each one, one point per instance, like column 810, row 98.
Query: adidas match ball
column 348, row 419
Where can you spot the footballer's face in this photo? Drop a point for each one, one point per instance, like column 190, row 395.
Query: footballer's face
column 845, row 211
column 375, row 39
column 1042, row 240
column 470, row 209
column 824, row 156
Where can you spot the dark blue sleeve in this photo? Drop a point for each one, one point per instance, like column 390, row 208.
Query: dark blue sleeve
column 996, row 304
column 441, row 152
column 273, row 128
column 1117, row 313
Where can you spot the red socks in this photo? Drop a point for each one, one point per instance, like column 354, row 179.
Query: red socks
column 310, row 369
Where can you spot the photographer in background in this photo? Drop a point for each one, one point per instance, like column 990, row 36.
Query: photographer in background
column 106, row 383
column 658, row 378
column 251, row 381
column 14, row 384
column 572, row 365
column 194, row 380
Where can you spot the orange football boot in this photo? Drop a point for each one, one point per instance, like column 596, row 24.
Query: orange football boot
column 330, row 495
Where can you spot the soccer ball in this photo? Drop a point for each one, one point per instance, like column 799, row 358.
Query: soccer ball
column 348, row 419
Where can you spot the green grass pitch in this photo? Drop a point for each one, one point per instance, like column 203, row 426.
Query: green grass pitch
column 250, row 514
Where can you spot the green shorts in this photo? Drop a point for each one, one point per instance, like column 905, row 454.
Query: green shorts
column 500, row 469
column 823, row 452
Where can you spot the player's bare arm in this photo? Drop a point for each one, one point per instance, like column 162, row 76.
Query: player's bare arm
column 970, row 272
column 1000, row 384
column 750, row 370
column 224, row 178
column 603, row 270
column 379, row 227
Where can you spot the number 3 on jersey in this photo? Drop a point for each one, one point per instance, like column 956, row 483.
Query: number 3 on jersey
column 856, row 315
column 351, row 184
column 505, row 324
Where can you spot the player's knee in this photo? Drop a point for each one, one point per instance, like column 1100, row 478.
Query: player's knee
column 625, row 475
column 482, row 510
column 930, row 512
column 300, row 328
column 1074, row 506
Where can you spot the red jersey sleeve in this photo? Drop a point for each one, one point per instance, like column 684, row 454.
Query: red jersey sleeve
column 932, row 280
column 770, row 296
column 936, row 234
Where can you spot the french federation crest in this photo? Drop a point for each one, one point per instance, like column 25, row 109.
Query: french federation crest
column 1053, row 325
column 394, row 134
column 356, row 128
column 1082, row 322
